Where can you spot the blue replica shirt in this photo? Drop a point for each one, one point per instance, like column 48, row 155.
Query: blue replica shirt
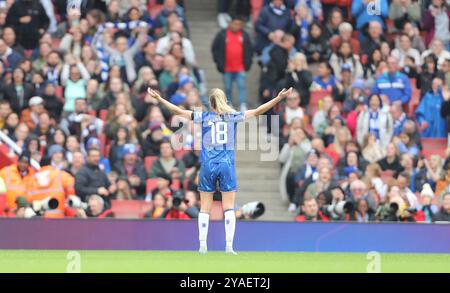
column 218, row 135
column 396, row 87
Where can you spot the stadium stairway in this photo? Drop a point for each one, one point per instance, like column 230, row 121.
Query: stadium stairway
column 258, row 180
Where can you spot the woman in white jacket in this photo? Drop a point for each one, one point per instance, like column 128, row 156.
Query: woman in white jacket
column 292, row 156
column 375, row 120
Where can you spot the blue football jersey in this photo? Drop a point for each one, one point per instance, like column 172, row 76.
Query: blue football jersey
column 218, row 135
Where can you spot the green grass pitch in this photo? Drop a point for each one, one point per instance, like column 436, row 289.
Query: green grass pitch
column 59, row 261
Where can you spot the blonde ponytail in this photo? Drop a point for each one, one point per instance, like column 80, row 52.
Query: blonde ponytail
column 218, row 102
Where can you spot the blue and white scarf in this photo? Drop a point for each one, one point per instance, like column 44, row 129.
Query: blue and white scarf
column 278, row 10
column 101, row 53
column 374, row 125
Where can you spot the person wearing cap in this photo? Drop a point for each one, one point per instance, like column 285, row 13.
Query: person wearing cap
column 427, row 207
column 185, row 85
column 133, row 168
column 30, row 115
column 444, row 214
column 94, row 142
column 56, row 155
column 162, row 187
column 15, row 177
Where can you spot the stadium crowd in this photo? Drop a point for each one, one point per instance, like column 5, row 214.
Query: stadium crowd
column 363, row 137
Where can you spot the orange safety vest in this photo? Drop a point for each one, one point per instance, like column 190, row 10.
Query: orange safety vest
column 54, row 183
column 15, row 184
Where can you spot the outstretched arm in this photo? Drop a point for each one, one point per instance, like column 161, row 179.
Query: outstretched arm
column 267, row 106
column 187, row 114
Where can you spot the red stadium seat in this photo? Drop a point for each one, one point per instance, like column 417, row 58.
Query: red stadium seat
column 129, row 209
column 434, row 143
column 180, row 153
column 151, row 184
column 176, row 184
column 427, row 153
column 148, row 161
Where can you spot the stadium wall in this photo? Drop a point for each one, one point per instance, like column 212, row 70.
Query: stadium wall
column 113, row 234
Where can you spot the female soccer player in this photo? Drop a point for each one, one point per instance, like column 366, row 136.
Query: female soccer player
column 217, row 156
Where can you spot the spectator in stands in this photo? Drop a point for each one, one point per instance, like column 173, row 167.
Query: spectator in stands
column 445, row 106
column 391, row 161
column 345, row 56
column 76, row 163
column 375, row 120
column 399, row 118
column 444, row 214
column 412, row 31
column 300, row 25
column 9, row 36
column 94, row 143
column 372, row 151
column 5, row 109
column 175, row 36
column 445, row 69
column 279, row 57
column 232, row 53
column 310, row 211
column 92, row 180
column 365, row 14
column 434, row 170
column 417, row 175
column 29, row 20
column 432, row 125
column 364, row 213
column 159, row 207
column 169, row 7
column 9, row 56
column 19, row 91
column 317, row 48
column 30, row 115
column 117, row 148
column 167, row 163
column 74, row 77
column 435, row 21
column 299, row 77
column 401, row 11
column 408, row 196
column 52, row 104
column 438, row 49
column 324, row 181
column 123, row 56
column 132, row 167
column 97, row 208
column 429, row 72
column 292, row 110
column 406, row 144
column 272, row 17
column 331, row 28
column 320, row 117
column 325, row 80
column 124, row 191
column 374, row 39
column 404, row 49
column 345, row 35
column 293, row 156
column 393, row 84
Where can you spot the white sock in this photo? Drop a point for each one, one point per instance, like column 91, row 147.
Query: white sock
column 230, row 226
column 203, row 223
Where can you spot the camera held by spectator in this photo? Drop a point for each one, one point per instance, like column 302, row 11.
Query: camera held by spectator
column 252, row 210
column 75, row 202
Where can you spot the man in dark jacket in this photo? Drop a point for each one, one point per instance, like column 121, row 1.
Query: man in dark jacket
column 9, row 56
column 279, row 56
column 444, row 213
column 132, row 167
column 232, row 52
column 29, row 20
column 90, row 179
column 272, row 17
